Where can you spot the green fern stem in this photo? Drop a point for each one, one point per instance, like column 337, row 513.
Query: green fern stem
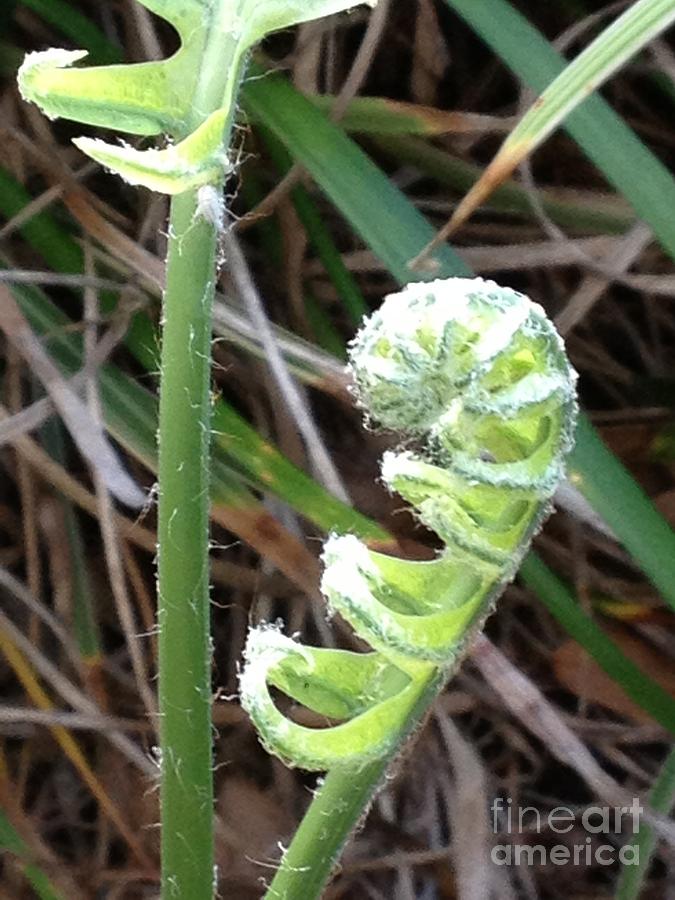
column 186, row 730
column 183, row 596
column 476, row 377
column 340, row 802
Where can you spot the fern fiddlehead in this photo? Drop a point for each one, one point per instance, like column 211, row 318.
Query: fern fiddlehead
column 476, row 377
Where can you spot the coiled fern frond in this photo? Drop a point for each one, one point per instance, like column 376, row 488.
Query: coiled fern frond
column 476, row 377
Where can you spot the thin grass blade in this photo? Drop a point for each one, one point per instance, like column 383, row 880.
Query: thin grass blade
column 607, row 140
column 641, row 23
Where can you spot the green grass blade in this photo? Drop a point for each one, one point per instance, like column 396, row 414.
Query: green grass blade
column 603, row 217
column 622, row 503
column 556, row 598
column 384, row 218
column 85, row 626
column 661, row 799
column 640, row 24
column 344, row 282
column 380, row 115
column 12, row 842
column 605, row 138
column 268, row 469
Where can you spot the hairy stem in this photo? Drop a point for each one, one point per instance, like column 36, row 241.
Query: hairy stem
column 340, row 802
column 184, row 656
column 183, row 584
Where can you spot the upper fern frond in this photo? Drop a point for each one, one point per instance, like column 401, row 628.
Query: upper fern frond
column 163, row 97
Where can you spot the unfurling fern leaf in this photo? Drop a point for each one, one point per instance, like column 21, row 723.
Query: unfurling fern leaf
column 477, row 377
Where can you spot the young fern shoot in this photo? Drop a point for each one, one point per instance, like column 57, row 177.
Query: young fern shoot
column 476, row 376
